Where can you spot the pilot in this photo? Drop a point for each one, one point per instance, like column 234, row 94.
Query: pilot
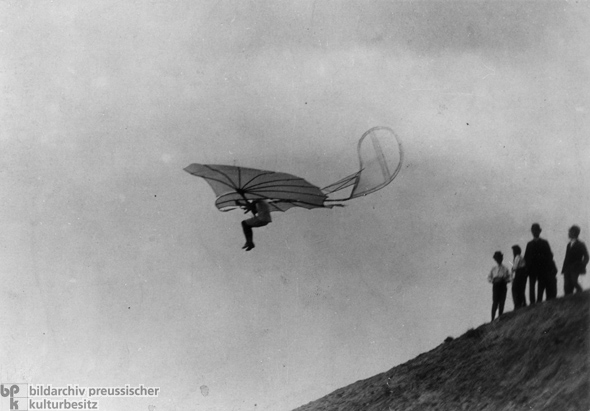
column 261, row 211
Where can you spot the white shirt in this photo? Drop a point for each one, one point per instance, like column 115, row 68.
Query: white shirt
column 517, row 263
column 499, row 271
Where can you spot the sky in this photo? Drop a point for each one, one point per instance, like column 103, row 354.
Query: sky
column 116, row 267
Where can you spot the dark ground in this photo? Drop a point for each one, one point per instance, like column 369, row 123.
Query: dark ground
column 536, row 358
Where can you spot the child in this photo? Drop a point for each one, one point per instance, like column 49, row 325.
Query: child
column 499, row 277
column 520, row 276
column 261, row 211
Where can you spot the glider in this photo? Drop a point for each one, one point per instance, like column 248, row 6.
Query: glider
column 237, row 186
column 380, row 157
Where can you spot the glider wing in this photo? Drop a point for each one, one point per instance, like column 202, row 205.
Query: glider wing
column 380, row 157
column 235, row 186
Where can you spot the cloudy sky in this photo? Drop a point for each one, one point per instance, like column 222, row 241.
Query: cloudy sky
column 116, row 268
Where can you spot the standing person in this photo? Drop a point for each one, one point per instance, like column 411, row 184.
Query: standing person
column 574, row 264
column 499, row 276
column 551, row 281
column 519, row 276
column 539, row 264
column 261, row 211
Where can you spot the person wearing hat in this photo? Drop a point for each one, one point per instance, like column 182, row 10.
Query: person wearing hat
column 499, row 276
column 540, row 266
column 519, row 278
column 574, row 264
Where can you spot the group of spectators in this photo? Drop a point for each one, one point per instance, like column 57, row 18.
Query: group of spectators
column 539, row 268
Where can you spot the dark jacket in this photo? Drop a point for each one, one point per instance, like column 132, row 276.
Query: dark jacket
column 576, row 258
column 538, row 256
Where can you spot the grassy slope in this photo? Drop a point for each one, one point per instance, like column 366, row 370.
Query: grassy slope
column 536, row 358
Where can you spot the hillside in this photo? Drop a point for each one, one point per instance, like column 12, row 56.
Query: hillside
column 536, row 358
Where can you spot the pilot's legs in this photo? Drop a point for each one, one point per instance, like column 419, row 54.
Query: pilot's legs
column 248, row 234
